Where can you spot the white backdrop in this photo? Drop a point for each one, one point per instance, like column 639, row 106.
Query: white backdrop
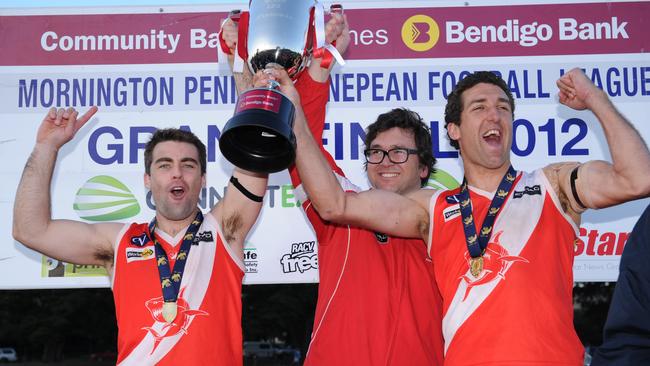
column 57, row 57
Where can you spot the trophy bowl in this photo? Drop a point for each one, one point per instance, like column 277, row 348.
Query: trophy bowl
column 259, row 137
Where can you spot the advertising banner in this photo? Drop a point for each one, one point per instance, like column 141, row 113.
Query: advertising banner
column 148, row 68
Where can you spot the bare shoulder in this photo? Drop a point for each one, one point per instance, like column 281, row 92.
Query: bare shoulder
column 422, row 196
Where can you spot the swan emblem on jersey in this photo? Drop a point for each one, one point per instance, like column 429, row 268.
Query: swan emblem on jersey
column 179, row 325
column 496, row 262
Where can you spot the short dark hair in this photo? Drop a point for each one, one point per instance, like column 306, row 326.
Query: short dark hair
column 455, row 103
column 173, row 134
column 410, row 121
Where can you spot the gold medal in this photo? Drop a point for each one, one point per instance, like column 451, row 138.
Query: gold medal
column 476, row 266
column 169, row 311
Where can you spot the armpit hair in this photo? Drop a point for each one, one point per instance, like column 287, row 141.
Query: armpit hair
column 104, row 255
column 231, row 226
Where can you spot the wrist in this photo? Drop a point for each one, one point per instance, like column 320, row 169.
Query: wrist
column 46, row 148
column 596, row 99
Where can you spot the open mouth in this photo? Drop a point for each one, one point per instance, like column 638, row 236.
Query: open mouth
column 492, row 136
column 177, row 191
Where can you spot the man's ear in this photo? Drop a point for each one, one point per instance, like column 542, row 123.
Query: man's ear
column 453, row 130
column 147, row 181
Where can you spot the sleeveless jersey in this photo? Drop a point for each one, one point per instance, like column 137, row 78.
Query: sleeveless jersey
column 519, row 311
column 377, row 299
column 207, row 329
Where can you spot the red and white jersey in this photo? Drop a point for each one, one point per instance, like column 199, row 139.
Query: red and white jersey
column 207, row 329
column 377, row 299
column 519, row 311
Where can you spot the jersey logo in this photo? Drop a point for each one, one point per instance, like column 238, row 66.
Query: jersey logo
column 140, row 240
column 451, row 212
column 139, row 254
column 203, row 236
column 453, row 198
column 536, row 189
column 496, row 262
column 178, row 325
column 381, row 238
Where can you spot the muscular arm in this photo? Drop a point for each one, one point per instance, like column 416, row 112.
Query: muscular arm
column 600, row 183
column 66, row 240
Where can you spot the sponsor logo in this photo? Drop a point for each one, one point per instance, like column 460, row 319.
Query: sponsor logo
column 204, row 236
column 180, row 324
column 496, row 262
column 531, row 191
column 140, row 240
column 51, row 267
column 420, row 33
column 451, row 212
column 453, row 198
column 532, row 34
column 381, row 238
column 303, row 257
column 104, row 198
column 250, row 260
column 139, row 254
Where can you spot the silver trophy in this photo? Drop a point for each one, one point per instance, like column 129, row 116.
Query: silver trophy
column 259, row 137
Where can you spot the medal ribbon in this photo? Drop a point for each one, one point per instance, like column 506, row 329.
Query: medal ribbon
column 476, row 244
column 170, row 280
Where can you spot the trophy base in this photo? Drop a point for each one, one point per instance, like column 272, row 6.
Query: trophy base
column 258, row 139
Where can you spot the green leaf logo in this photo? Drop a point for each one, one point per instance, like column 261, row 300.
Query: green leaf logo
column 104, row 198
column 442, row 180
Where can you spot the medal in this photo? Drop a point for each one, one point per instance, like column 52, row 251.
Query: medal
column 478, row 241
column 169, row 310
column 171, row 278
column 476, row 266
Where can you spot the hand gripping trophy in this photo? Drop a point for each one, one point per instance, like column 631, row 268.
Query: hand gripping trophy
column 273, row 33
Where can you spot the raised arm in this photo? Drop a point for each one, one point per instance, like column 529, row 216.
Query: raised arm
column 242, row 202
column 66, row 240
column 237, row 212
column 375, row 210
column 599, row 183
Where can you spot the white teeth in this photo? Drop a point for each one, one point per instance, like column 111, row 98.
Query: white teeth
column 388, row 175
column 492, row 133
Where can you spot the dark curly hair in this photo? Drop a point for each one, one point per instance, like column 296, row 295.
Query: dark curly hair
column 411, row 121
column 178, row 135
column 455, row 103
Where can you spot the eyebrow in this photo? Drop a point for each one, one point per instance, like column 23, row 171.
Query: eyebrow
column 169, row 160
column 378, row 146
column 483, row 100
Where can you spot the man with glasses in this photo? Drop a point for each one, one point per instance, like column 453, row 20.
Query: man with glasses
column 378, row 303
column 377, row 300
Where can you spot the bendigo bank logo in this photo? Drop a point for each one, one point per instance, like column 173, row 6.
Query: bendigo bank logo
column 420, row 33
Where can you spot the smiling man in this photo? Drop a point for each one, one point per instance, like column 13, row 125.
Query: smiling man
column 177, row 280
column 502, row 244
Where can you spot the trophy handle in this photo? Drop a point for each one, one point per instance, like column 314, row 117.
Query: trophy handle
column 336, row 9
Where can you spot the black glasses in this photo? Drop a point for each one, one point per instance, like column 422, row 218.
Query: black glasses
column 397, row 155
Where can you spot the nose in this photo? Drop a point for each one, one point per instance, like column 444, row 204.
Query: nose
column 493, row 113
column 386, row 161
column 177, row 172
